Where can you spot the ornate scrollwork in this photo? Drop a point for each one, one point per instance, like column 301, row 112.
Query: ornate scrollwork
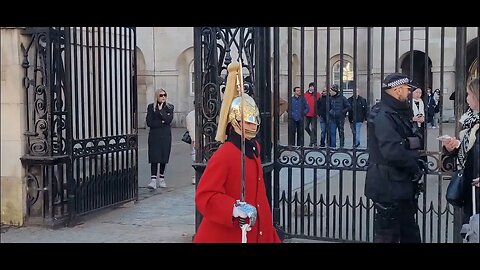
column 219, row 46
column 33, row 188
column 321, row 158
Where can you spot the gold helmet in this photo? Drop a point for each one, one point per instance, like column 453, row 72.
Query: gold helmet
column 231, row 110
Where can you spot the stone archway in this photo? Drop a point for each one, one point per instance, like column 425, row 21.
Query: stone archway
column 417, row 75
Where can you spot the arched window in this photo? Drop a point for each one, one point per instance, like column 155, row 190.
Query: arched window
column 191, row 77
column 347, row 75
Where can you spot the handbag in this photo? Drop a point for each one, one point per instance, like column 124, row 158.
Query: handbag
column 186, row 137
column 455, row 189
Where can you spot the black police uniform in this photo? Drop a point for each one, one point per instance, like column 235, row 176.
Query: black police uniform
column 393, row 170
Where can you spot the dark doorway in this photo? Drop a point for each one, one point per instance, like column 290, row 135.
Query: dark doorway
column 420, row 76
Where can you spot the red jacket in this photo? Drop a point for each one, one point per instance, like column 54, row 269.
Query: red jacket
column 310, row 101
column 217, row 192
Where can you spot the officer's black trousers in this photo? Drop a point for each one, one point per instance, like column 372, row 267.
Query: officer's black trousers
column 395, row 222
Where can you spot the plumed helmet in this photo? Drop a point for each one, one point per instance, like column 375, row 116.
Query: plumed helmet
column 251, row 113
column 230, row 112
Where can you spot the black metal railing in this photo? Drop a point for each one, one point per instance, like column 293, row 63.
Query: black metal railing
column 81, row 133
column 317, row 191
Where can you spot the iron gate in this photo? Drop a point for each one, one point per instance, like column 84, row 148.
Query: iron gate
column 317, row 191
column 81, row 138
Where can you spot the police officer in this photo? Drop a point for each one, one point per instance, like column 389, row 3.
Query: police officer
column 394, row 171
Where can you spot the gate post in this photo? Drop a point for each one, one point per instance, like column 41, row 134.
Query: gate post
column 47, row 119
column 263, row 98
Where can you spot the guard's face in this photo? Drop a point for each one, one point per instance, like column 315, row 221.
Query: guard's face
column 250, row 126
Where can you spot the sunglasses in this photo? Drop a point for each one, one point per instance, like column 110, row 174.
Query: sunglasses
column 162, row 95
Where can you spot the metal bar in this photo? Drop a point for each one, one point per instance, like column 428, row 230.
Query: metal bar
column 127, row 113
column 425, row 100
column 117, row 131
column 123, row 99
column 289, row 77
column 340, row 205
column 342, row 142
column 460, row 87
column 369, row 97
column 317, row 118
column 440, row 104
column 89, row 88
column 48, row 81
column 105, row 172
column 289, row 199
column 315, row 89
column 397, row 47
column 411, row 55
column 101, row 176
column 302, row 148
column 134, row 97
column 96, row 198
column 69, row 124
column 354, row 174
column 111, row 179
column 82, row 87
column 382, row 53
column 327, row 199
column 94, row 86
column 276, row 124
column 341, row 62
column 347, row 217
column 197, row 52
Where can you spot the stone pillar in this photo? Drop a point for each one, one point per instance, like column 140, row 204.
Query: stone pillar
column 13, row 191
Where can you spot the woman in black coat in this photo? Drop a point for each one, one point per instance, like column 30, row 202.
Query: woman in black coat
column 159, row 117
column 467, row 148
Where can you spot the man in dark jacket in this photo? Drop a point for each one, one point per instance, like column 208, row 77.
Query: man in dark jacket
column 322, row 113
column 357, row 115
column 339, row 106
column 295, row 117
column 393, row 169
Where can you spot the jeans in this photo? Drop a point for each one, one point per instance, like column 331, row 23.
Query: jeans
column 311, row 132
column 334, row 124
column 295, row 130
column 356, row 130
column 323, row 128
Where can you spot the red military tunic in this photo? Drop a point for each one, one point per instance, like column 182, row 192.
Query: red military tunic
column 217, row 192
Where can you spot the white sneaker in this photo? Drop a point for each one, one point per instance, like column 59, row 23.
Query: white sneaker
column 153, row 184
column 193, row 180
column 161, row 182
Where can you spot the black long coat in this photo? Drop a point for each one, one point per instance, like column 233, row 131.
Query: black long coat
column 160, row 135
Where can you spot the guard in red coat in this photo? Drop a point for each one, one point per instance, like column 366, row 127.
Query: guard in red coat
column 219, row 191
